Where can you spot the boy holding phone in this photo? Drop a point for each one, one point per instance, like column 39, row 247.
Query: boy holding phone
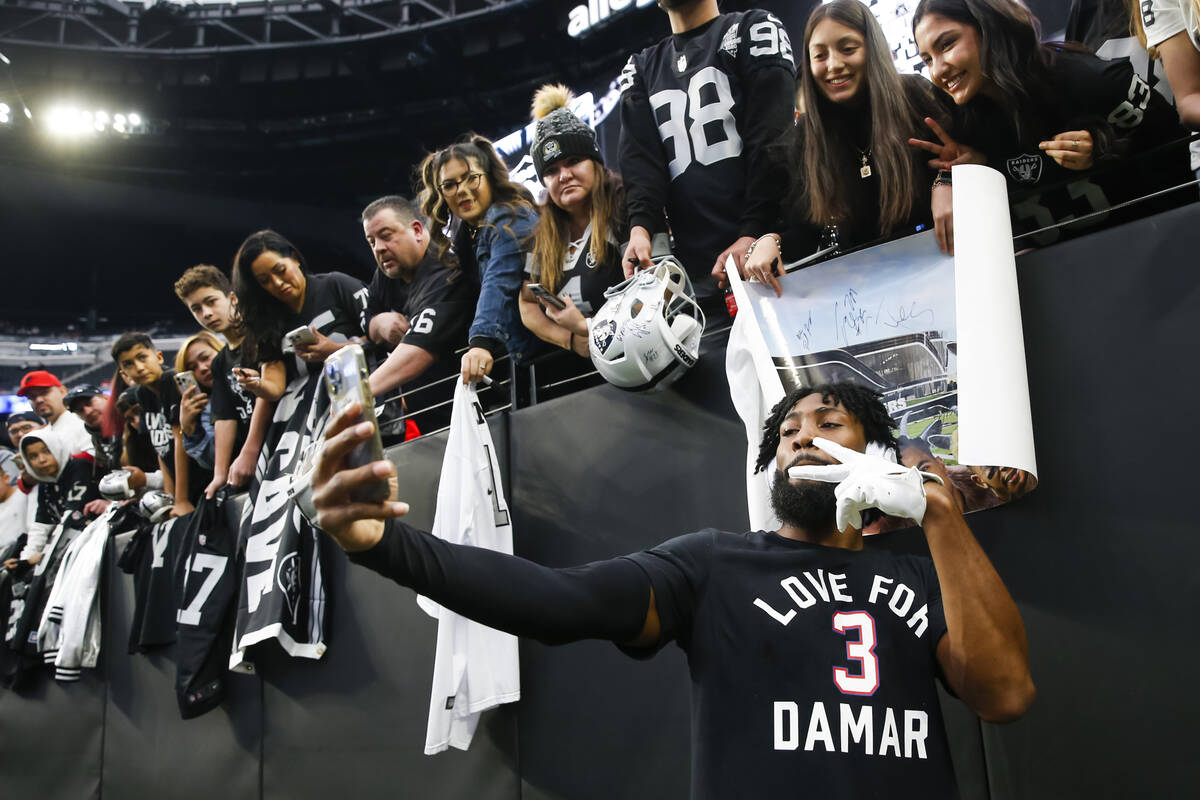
column 239, row 419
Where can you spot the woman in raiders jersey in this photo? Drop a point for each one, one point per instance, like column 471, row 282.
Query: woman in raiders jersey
column 467, row 190
column 576, row 245
column 852, row 172
column 278, row 294
column 1045, row 113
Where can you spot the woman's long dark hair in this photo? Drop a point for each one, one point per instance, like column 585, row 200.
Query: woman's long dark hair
column 505, row 191
column 551, row 235
column 819, row 195
column 1011, row 53
column 266, row 318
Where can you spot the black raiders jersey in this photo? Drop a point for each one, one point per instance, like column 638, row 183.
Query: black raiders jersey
column 160, row 406
column 698, row 111
column 439, row 304
column 335, row 305
column 1093, row 94
column 63, row 500
column 583, row 278
column 811, row 666
column 229, row 400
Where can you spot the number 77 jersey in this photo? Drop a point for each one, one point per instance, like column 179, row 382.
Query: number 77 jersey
column 698, row 112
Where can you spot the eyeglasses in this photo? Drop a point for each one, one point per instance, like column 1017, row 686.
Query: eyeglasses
column 471, row 180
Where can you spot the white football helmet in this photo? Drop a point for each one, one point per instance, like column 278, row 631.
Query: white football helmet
column 648, row 331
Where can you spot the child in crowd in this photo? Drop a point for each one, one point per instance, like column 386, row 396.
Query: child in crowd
column 141, row 367
column 65, row 487
column 239, row 420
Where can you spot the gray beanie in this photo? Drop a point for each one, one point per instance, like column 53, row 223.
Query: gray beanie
column 560, row 134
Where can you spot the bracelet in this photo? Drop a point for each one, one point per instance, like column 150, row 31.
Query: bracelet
column 943, row 178
column 754, row 244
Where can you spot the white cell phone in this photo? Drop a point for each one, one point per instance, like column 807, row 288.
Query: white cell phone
column 185, row 381
column 346, row 381
column 543, row 294
column 304, row 335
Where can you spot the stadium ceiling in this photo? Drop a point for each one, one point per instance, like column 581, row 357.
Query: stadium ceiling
column 189, row 29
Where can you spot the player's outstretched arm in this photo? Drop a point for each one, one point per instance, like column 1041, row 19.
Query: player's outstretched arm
column 984, row 654
column 603, row 600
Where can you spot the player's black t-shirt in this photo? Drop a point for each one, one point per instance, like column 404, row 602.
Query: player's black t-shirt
column 160, row 405
column 698, row 111
column 813, row 668
column 63, row 500
column 228, row 399
column 439, row 304
column 1126, row 119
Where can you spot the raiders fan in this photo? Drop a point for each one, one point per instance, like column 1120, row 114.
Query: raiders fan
column 813, row 660
column 1057, row 122
column 698, row 111
column 141, row 365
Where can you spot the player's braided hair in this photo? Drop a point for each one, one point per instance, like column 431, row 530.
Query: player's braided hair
column 860, row 401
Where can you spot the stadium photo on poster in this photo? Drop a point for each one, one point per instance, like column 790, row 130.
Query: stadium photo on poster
column 885, row 318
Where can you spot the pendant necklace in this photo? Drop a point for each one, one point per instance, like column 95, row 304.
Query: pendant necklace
column 864, row 171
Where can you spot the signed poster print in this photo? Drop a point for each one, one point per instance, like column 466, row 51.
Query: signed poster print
column 884, row 318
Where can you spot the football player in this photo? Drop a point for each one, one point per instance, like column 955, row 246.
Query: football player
column 814, row 661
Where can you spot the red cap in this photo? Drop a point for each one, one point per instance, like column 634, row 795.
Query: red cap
column 37, row 379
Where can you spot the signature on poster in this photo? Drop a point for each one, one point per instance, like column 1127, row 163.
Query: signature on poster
column 852, row 320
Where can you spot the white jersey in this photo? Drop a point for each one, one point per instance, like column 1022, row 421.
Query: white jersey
column 69, row 633
column 12, row 517
column 71, row 430
column 476, row 667
column 1163, row 19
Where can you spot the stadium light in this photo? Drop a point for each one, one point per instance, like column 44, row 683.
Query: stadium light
column 5, row 114
column 69, row 121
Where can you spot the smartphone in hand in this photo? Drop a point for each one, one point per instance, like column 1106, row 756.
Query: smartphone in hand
column 346, row 381
column 304, row 335
column 185, row 381
column 543, row 294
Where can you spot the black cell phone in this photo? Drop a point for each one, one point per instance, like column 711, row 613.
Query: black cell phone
column 541, row 293
column 346, row 381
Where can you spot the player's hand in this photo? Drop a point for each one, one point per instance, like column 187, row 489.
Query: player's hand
column 764, row 265
column 738, row 251
column 637, row 254
column 569, row 317
column 353, row 525
column 388, row 328
column 1071, row 149
column 242, row 468
column 96, row 507
column 868, row 481
column 943, row 217
column 947, row 153
column 476, row 363
column 137, row 478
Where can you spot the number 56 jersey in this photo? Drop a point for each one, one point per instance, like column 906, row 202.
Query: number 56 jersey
column 813, row 668
column 698, row 112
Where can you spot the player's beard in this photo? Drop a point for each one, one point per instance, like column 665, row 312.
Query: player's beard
column 809, row 505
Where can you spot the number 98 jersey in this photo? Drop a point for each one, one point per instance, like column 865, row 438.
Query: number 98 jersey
column 698, row 111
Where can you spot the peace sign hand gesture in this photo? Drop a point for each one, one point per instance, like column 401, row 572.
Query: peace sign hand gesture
column 947, row 153
column 867, row 481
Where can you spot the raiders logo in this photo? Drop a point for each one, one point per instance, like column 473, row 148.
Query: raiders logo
column 551, row 149
column 287, row 577
column 602, row 334
column 1025, row 168
column 681, row 62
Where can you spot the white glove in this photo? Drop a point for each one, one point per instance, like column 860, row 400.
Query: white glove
column 868, row 481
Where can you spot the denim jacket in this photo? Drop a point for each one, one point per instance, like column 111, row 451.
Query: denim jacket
column 498, row 270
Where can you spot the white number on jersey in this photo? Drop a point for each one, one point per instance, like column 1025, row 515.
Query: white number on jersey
column 862, row 651
column 76, row 493
column 423, row 322
column 771, row 39
column 201, row 562
column 1130, row 112
column 690, row 142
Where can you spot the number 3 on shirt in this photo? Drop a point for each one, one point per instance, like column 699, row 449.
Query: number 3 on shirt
column 862, row 651
column 690, row 142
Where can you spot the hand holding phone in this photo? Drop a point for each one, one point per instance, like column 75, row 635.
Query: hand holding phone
column 544, row 296
column 304, row 335
column 346, row 381
column 185, row 381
